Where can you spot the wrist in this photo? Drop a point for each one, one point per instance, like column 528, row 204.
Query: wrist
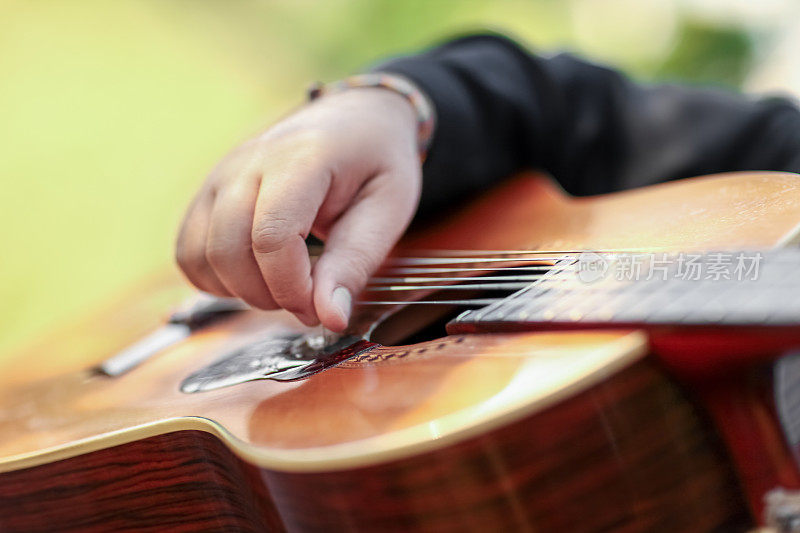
column 394, row 93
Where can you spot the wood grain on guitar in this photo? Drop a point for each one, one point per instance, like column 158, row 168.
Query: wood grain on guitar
column 553, row 431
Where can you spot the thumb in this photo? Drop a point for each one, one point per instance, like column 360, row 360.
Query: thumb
column 358, row 243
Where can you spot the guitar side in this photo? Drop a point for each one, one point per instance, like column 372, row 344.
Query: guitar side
column 630, row 454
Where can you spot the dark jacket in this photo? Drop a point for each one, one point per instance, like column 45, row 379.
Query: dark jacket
column 501, row 109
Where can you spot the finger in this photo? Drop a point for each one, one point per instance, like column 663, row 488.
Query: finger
column 190, row 249
column 287, row 204
column 358, row 243
column 229, row 249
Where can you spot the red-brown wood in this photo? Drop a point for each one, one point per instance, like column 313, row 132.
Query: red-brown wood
column 648, row 463
column 183, row 481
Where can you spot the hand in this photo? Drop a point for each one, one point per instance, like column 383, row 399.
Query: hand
column 345, row 168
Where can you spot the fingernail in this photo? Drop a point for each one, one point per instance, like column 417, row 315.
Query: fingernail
column 343, row 301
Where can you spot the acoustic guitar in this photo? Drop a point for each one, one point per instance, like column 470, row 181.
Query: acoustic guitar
column 499, row 375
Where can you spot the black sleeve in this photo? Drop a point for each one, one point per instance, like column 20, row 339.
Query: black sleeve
column 501, row 109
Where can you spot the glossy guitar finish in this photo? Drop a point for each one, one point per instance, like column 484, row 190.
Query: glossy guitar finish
column 576, row 431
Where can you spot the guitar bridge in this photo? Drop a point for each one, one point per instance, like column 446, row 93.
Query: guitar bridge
column 283, row 358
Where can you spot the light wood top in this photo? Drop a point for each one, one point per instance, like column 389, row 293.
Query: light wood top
column 51, row 407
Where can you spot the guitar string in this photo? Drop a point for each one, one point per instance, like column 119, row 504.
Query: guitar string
column 473, row 286
column 413, row 261
column 412, row 282
column 456, row 253
column 443, row 270
column 551, row 274
column 437, row 279
column 510, row 283
column 474, row 301
column 393, row 350
column 467, row 256
column 468, row 282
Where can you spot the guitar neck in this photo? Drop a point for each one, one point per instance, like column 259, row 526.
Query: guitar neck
column 720, row 288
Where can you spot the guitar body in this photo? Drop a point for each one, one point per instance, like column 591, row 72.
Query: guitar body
column 553, row 431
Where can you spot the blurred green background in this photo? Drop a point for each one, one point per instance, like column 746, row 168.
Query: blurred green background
column 111, row 113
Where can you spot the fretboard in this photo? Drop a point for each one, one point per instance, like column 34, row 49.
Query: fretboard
column 731, row 288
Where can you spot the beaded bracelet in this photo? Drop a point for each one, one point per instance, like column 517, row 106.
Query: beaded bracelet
column 422, row 107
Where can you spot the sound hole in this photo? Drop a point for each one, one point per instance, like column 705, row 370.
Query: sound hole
column 419, row 323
